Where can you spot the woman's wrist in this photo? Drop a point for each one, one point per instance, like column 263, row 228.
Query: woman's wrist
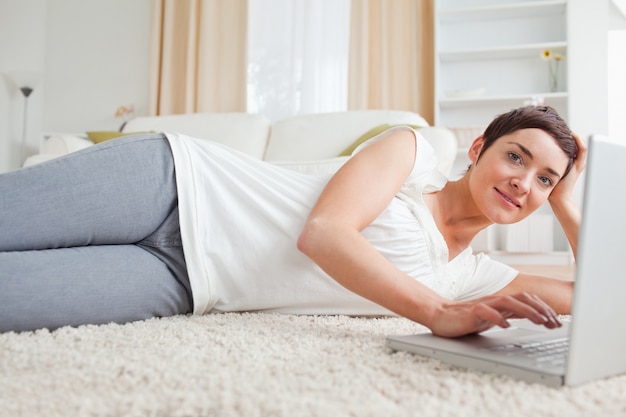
column 428, row 310
column 562, row 204
column 569, row 217
column 564, row 207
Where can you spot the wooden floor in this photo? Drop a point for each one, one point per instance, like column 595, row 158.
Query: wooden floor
column 564, row 272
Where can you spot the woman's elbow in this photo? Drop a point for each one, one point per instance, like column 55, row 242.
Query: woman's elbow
column 323, row 237
column 306, row 239
column 312, row 237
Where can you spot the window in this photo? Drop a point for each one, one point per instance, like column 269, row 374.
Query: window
column 297, row 56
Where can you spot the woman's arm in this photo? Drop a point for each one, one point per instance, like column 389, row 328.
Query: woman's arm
column 562, row 201
column 331, row 237
column 555, row 292
column 353, row 198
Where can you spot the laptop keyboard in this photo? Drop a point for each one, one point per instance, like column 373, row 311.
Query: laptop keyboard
column 545, row 352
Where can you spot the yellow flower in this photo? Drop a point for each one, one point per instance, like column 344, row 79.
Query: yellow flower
column 549, row 56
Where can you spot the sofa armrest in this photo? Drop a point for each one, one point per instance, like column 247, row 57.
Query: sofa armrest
column 56, row 145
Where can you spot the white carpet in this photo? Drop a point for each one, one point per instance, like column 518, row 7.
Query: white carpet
column 263, row 365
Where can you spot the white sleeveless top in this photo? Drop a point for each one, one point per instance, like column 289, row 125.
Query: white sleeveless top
column 240, row 218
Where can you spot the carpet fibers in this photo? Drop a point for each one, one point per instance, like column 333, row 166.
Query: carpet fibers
column 263, row 365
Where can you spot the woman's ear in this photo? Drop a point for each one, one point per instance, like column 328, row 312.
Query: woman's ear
column 476, row 148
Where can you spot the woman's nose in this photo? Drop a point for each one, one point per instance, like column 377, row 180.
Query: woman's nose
column 521, row 183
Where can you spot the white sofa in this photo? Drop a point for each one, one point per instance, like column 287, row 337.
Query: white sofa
column 308, row 143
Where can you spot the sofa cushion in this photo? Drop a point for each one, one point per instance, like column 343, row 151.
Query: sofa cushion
column 445, row 144
column 326, row 135
column 245, row 132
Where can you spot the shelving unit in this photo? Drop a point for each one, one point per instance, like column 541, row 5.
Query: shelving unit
column 488, row 57
column 504, row 99
column 462, row 11
column 515, row 51
column 488, row 61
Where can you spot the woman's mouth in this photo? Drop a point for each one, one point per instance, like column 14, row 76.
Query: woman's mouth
column 508, row 199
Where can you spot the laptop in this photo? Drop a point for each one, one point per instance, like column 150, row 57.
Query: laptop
column 592, row 345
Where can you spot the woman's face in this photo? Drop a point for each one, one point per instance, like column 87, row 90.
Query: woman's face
column 515, row 175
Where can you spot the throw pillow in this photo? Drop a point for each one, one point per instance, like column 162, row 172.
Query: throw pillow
column 102, row 135
column 375, row 131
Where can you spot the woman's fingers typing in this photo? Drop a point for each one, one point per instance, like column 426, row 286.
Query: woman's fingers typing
column 458, row 319
column 525, row 305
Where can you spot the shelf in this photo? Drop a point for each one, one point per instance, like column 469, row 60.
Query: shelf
column 509, row 52
column 485, row 100
column 502, row 11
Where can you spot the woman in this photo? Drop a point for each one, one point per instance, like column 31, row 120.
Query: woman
column 147, row 226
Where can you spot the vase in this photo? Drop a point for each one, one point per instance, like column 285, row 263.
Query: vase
column 554, row 76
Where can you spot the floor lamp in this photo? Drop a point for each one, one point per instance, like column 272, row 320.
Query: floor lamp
column 26, row 82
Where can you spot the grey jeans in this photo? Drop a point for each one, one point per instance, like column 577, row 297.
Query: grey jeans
column 92, row 237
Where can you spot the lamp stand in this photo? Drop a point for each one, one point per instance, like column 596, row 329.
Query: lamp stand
column 26, row 92
column 25, row 81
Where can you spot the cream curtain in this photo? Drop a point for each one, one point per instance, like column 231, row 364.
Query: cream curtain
column 392, row 56
column 198, row 56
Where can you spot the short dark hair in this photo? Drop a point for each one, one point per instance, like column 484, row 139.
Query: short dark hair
column 538, row 117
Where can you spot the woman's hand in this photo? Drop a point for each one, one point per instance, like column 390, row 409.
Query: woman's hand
column 563, row 190
column 562, row 201
column 456, row 319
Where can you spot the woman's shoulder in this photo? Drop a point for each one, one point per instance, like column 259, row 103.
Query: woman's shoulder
column 425, row 162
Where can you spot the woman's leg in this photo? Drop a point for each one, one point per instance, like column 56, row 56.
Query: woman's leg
column 120, row 199
column 116, row 192
column 86, row 285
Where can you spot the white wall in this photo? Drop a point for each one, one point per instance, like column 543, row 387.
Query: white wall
column 617, row 69
column 593, row 93
column 587, row 66
column 93, row 56
column 22, row 43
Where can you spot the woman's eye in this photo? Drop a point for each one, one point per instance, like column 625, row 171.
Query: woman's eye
column 514, row 157
column 546, row 181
